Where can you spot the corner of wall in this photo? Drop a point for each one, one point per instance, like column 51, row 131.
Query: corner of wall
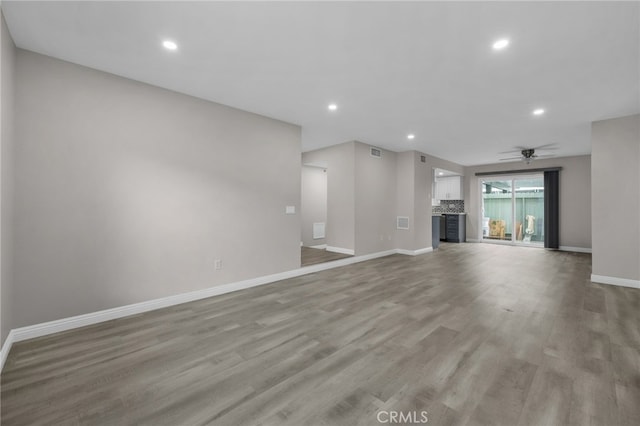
column 7, row 88
column 615, row 163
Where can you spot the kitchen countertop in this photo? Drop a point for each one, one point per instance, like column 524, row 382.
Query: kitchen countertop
column 442, row 214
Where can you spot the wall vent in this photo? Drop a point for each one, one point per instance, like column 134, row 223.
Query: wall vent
column 375, row 152
column 318, row 230
column 402, row 222
column 423, row 159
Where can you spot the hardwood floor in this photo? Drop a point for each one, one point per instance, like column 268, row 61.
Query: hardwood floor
column 312, row 256
column 474, row 334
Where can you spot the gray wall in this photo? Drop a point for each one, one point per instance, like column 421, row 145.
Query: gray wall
column 422, row 195
column 365, row 194
column 339, row 160
column 7, row 57
column 398, row 184
column 575, row 197
column 615, row 174
column 126, row 192
column 413, row 198
column 375, row 210
column 361, row 195
column 313, row 204
column 405, row 199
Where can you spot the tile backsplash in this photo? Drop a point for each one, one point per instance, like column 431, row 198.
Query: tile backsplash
column 449, row 206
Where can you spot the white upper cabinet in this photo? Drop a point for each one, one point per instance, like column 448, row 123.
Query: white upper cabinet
column 448, row 188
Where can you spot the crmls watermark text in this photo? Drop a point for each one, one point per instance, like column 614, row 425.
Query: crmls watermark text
column 402, row 417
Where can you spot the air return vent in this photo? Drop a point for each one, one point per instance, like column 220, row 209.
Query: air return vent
column 375, row 152
column 402, row 222
column 318, row 230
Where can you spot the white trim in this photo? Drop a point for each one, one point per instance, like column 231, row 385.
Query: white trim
column 340, row 250
column 64, row 324
column 415, row 252
column 403, row 251
column 575, row 249
column 6, row 347
column 423, row 250
column 473, row 240
column 319, row 246
column 320, row 165
column 624, row 282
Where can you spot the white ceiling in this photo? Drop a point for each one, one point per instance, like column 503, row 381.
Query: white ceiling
column 426, row 68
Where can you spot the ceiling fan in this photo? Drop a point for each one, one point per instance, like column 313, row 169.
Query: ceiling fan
column 528, row 154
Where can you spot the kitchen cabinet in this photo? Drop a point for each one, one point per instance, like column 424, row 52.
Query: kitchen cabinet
column 448, row 188
column 456, row 227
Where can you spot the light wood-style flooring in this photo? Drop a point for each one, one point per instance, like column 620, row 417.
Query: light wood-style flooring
column 474, row 334
column 312, row 256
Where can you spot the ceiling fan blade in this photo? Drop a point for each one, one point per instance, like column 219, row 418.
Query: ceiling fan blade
column 511, row 158
column 544, row 156
column 548, row 146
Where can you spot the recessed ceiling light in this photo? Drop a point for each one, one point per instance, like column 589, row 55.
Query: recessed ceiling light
column 411, row 136
column 169, row 45
column 538, row 111
column 501, row 44
column 332, row 107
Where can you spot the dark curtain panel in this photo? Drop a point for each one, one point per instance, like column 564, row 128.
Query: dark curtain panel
column 551, row 209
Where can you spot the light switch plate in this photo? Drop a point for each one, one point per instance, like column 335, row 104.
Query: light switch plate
column 290, row 210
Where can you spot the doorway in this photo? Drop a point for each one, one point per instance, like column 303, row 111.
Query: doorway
column 513, row 210
column 313, row 217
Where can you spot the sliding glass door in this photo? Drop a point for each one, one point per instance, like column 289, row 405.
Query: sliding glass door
column 529, row 210
column 497, row 197
column 513, row 210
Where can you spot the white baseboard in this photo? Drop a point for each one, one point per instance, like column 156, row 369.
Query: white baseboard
column 319, row 246
column 415, row 252
column 423, row 251
column 575, row 249
column 473, row 240
column 624, row 282
column 6, row 347
column 43, row 329
column 64, row 324
column 340, row 250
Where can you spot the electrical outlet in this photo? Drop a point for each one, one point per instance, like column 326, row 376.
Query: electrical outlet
column 217, row 264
